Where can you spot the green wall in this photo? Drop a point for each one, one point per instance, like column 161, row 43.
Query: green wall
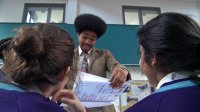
column 121, row 40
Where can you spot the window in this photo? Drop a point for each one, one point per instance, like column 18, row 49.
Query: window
column 44, row 13
column 139, row 15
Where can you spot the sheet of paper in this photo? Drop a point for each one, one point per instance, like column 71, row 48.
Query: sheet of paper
column 95, row 91
column 96, row 104
column 89, row 77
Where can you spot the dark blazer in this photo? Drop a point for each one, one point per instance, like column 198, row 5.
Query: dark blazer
column 101, row 60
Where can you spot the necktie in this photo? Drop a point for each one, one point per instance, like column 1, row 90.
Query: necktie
column 84, row 67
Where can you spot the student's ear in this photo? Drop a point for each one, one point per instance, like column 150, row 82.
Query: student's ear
column 79, row 33
column 5, row 54
column 64, row 74
column 154, row 61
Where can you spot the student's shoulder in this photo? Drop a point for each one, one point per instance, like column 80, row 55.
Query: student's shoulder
column 148, row 104
column 42, row 103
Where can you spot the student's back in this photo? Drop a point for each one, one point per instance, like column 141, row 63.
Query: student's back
column 175, row 100
column 17, row 101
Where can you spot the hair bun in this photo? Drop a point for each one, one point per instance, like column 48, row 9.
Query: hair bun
column 28, row 43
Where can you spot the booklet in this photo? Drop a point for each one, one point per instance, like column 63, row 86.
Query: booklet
column 95, row 91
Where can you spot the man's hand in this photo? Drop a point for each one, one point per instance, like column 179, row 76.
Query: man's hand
column 118, row 77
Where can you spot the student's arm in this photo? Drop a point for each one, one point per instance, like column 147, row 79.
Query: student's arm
column 69, row 98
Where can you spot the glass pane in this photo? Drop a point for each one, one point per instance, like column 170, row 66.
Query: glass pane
column 131, row 17
column 148, row 15
column 37, row 14
column 57, row 15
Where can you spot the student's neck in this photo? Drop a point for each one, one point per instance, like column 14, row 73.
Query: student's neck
column 5, row 69
column 44, row 90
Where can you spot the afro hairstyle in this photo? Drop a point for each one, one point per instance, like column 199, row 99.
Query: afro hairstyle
column 90, row 22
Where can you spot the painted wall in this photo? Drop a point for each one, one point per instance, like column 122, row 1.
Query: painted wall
column 109, row 10
column 198, row 4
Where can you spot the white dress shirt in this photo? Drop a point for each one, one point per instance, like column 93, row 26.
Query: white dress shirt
column 80, row 52
column 173, row 76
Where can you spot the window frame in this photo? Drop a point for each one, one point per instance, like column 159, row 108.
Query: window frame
column 27, row 5
column 139, row 8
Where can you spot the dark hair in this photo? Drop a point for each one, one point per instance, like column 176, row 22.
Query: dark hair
column 90, row 22
column 5, row 44
column 175, row 40
column 42, row 53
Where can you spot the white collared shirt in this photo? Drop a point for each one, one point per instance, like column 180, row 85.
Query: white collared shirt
column 80, row 52
column 173, row 76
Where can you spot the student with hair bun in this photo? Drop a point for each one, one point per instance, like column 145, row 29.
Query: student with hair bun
column 41, row 68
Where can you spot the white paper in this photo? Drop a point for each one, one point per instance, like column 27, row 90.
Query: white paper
column 96, row 104
column 95, row 91
column 123, row 99
column 89, row 77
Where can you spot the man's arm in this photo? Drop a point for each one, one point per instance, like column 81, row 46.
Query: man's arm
column 119, row 73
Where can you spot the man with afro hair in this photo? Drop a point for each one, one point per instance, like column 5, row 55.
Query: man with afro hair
column 89, row 29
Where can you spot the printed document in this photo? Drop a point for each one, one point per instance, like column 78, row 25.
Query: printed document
column 95, row 91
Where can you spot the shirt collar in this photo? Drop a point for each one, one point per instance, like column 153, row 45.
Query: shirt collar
column 80, row 51
column 30, row 88
column 173, row 76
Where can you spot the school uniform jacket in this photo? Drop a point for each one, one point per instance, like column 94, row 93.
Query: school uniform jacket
column 181, row 99
column 14, row 99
